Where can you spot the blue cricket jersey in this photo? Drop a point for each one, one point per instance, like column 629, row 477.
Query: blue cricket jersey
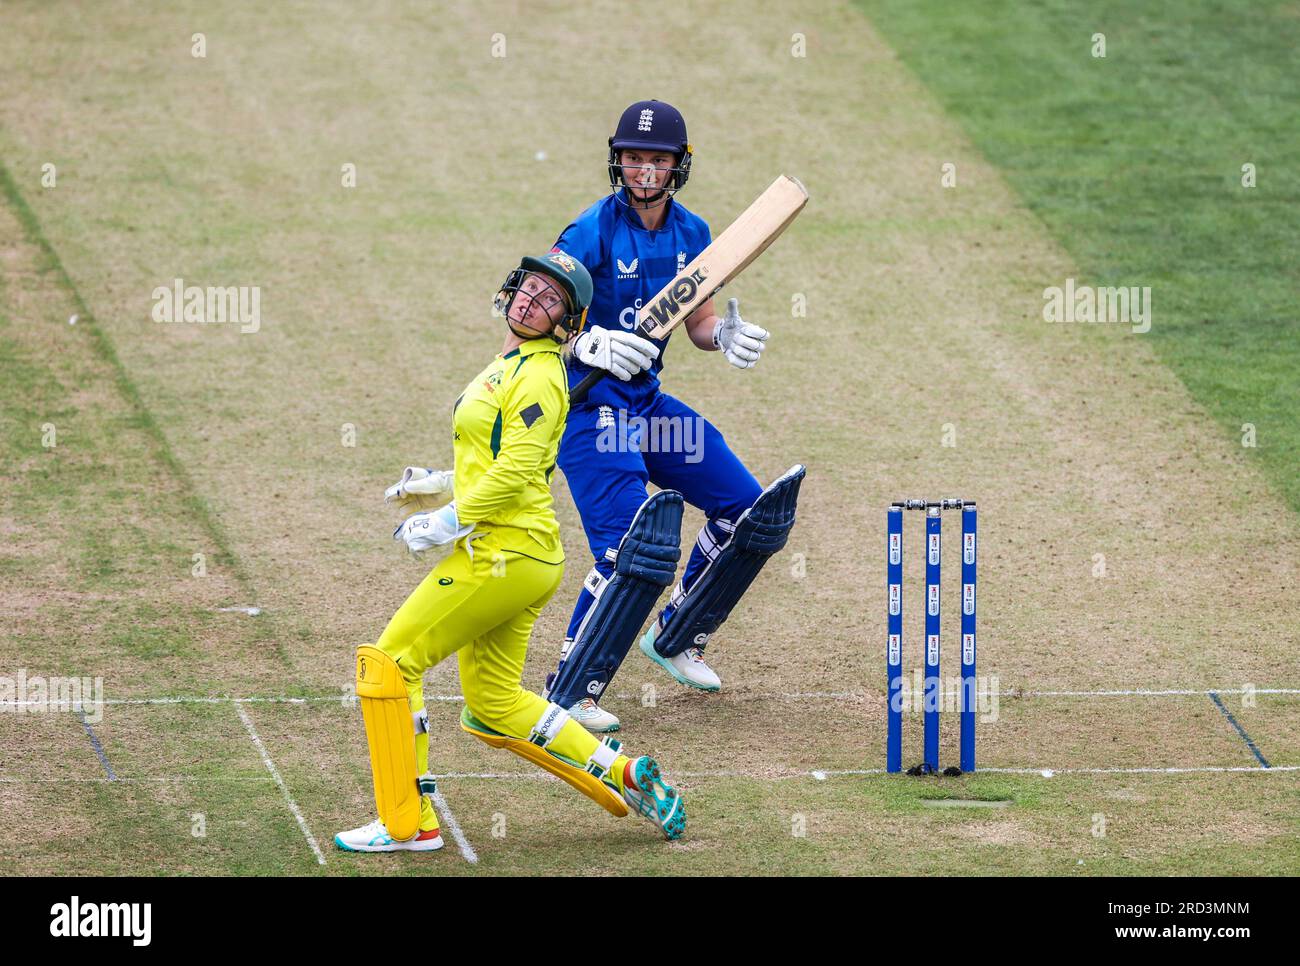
column 628, row 266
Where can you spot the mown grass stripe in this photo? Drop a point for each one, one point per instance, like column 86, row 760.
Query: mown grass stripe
column 1134, row 163
column 87, row 322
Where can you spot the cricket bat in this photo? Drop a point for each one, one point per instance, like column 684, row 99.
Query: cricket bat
column 730, row 254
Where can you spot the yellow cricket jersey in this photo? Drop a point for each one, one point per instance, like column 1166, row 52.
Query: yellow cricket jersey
column 506, row 433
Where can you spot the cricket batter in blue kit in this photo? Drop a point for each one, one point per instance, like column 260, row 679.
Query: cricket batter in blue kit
column 627, row 433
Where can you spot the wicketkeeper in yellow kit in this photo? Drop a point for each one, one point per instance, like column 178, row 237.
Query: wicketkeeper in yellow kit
column 482, row 600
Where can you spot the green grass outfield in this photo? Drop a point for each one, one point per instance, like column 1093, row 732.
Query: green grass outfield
column 153, row 477
column 1134, row 163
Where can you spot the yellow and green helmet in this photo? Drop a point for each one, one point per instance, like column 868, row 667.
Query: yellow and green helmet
column 568, row 273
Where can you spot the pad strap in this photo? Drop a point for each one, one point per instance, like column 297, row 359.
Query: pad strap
column 603, row 758
column 549, row 725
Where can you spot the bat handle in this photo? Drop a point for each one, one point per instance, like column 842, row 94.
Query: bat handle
column 579, row 392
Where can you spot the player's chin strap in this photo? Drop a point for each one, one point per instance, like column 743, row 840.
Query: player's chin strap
column 654, row 201
column 761, row 531
column 644, row 564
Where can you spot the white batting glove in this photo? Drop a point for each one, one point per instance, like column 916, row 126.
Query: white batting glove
column 623, row 354
column 424, row 531
column 739, row 341
column 421, row 489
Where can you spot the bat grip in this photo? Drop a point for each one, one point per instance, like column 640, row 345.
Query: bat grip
column 579, row 392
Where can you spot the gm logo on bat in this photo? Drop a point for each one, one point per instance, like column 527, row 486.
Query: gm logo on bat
column 669, row 306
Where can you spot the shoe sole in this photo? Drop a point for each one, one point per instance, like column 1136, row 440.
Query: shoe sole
column 670, row 810
column 648, row 649
column 608, row 730
column 395, row 847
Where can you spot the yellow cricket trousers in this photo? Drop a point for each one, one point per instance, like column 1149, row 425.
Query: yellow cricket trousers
column 482, row 608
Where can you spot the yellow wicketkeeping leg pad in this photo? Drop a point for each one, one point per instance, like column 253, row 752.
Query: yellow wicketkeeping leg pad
column 583, row 781
column 390, row 732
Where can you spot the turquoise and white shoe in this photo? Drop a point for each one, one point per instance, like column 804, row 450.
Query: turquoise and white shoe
column 687, row 668
column 375, row 838
column 655, row 799
column 593, row 717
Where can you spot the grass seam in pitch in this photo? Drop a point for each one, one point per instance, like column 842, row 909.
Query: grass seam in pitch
column 1250, row 743
column 99, row 748
column 189, row 493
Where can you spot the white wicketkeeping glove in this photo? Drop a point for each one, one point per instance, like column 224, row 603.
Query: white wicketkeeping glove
column 739, row 341
column 624, row 354
column 423, row 531
column 420, row 489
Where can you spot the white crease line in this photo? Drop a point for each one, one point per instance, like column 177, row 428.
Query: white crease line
column 1193, row 769
column 817, row 775
column 270, row 766
column 350, row 701
column 823, row 774
column 191, row 700
column 717, row 773
column 345, row 700
column 1143, row 693
column 171, row 779
column 453, row 826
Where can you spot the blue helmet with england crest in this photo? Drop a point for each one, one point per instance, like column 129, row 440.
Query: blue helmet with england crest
column 652, row 126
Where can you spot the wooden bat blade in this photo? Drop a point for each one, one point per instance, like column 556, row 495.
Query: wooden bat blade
column 730, row 254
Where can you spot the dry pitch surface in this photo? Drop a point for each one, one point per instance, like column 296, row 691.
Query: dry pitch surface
column 1125, row 543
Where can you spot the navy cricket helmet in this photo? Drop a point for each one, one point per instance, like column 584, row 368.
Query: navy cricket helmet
column 652, row 126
